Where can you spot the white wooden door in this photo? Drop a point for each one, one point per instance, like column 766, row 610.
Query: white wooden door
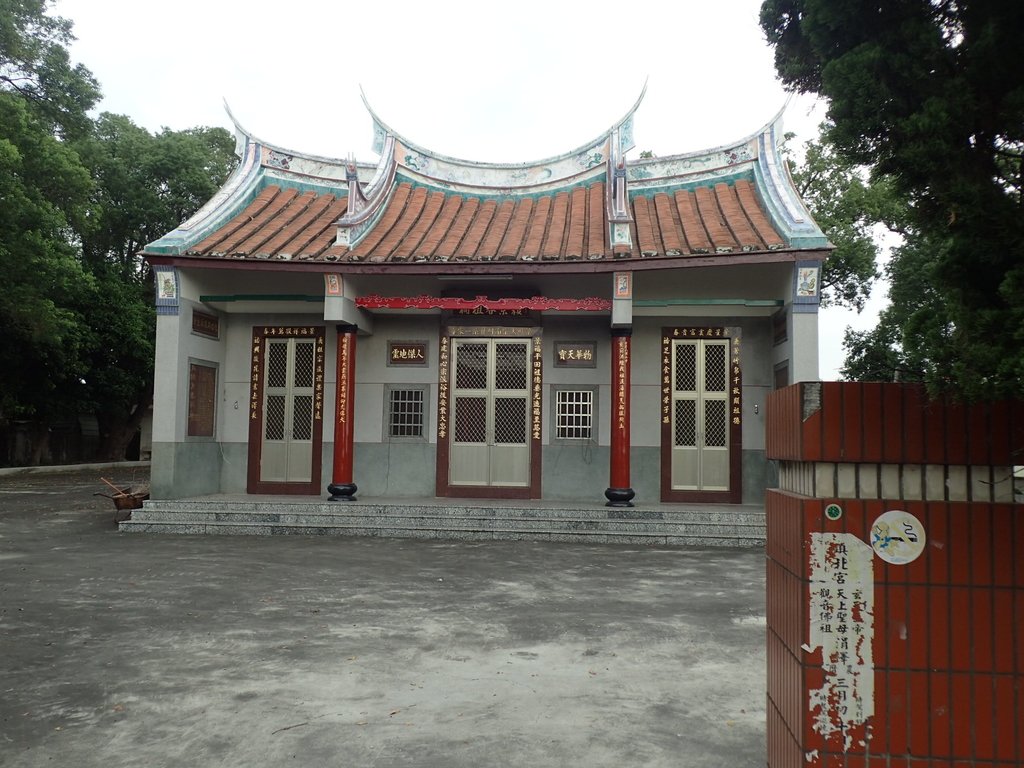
column 700, row 415
column 490, row 412
column 287, row 450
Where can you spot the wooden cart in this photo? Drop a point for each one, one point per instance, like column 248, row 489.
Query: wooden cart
column 125, row 499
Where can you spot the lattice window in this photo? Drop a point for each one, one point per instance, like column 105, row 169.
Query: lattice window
column 686, row 368
column 470, row 366
column 277, row 364
column 715, row 369
column 406, row 414
column 470, row 419
column 716, row 423
column 274, row 422
column 510, row 366
column 510, row 420
column 302, row 417
column 686, row 423
column 304, row 363
column 574, row 414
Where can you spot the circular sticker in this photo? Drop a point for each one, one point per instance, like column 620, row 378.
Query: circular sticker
column 833, row 511
column 897, row 537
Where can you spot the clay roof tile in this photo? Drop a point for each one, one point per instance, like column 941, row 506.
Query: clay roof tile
column 748, row 201
column 537, row 227
column 453, row 238
column 735, row 218
column 368, row 245
column 496, row 230
column 647, row 241
column 470, row 245
column 513, row 240
column 552, row 247
column 411, row 244
column 597, row 226
column 711, row 215
column 577, row 224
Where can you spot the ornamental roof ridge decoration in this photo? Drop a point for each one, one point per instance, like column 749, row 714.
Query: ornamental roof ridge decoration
column 382, row 129
column 276, row 154
column 708, row 163
column 444, row 171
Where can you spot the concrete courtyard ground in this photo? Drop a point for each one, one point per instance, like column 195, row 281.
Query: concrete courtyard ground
column 146, row 650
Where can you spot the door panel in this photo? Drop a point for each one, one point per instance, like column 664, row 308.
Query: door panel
column 287, row 441
column 700, row 427
column 490, row 413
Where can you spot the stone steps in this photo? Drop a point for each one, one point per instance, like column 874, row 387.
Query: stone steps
column 670, row 526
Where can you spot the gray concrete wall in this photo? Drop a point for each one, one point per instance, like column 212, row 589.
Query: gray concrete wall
column 180, row 470
column 570, row 472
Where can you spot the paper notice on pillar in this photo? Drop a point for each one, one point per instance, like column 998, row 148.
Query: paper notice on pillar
column 841, row 614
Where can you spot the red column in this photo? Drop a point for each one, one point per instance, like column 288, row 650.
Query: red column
column 619, row 494
column 342, row 488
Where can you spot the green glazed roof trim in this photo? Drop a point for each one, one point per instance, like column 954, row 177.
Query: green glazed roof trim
column 688, row 186
column 503, row 195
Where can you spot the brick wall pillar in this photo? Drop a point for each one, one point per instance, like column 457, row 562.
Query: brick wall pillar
column 895, row 576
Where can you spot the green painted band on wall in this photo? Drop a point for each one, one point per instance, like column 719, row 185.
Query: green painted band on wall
column 262, row 297
column 708, row 302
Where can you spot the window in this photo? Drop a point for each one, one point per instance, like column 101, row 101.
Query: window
column 202, row 392
column 574, row 414
column 405, row 413
column 782, row 375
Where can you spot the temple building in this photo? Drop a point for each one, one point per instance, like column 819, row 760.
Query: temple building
column 582, row 327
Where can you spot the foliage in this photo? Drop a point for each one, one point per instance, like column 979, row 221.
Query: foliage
column 846, row 206
column 144, row 186
column 34, row 65
column 43, row 188
column 914, row 339
column 930, row 95
column 79, row 200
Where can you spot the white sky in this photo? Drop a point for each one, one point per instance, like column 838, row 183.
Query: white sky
column 502, row 82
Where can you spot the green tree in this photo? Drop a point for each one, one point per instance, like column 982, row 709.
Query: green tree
column 42, row 279
column 930, row 95
column 144, row 186
column 34, row 64
column 78, row 199
column 915, row 338
column 847, row 206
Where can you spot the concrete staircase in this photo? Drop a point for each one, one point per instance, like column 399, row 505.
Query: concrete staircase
column 458, row 519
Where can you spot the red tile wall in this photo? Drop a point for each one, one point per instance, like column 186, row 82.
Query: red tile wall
column 891, row 423
column 948, row 645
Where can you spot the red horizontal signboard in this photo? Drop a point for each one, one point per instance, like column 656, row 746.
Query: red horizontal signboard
column 536, row 303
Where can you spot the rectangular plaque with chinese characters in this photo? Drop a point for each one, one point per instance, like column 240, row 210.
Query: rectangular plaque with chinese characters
column 407, row 353
column 575, row 354
column 205, row 324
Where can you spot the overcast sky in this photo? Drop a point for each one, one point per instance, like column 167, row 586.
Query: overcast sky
column 477, row 80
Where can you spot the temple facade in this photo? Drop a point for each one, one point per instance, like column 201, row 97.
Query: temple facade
column 583, row 327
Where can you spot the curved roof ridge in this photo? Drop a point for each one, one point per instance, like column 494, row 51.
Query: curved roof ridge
column 527, row 187
column 244, row 133
column 774, row 124
column 597, row 142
